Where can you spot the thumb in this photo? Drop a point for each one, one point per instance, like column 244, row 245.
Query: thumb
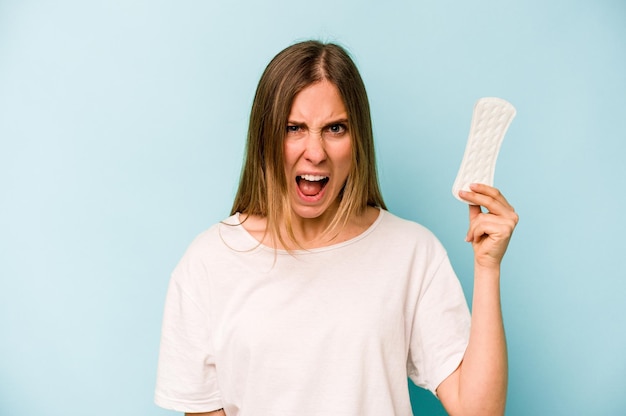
column 474, row 210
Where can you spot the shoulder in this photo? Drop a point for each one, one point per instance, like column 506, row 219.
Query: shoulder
column 408, row 236
column 402, row 227
column 214, row 245
column 219, row 235
column 209, row 236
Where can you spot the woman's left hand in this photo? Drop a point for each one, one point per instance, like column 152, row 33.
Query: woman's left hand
column 489, row 232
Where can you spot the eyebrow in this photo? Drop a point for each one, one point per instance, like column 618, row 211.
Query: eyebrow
column 330, row 123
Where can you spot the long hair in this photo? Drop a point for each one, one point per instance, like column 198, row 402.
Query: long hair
column 263, row 185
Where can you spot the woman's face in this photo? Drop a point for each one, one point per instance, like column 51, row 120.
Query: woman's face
column 317, row 150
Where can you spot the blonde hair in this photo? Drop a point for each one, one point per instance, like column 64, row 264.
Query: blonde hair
column 263, row 185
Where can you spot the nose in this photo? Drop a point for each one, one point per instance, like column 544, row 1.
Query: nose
column 314, row 150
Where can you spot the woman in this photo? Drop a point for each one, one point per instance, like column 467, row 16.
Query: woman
column 312, row 299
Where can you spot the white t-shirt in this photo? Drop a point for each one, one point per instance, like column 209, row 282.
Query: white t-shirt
column 327, row 331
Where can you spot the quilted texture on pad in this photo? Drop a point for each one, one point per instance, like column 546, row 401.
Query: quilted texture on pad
column 490, row 121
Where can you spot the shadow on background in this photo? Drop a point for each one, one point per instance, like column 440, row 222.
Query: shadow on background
column 424, row 402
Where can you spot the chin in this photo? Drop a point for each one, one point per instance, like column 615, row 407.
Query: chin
column 309, row 213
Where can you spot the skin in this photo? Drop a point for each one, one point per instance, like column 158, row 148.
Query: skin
column 479, row 384
column 315, row 143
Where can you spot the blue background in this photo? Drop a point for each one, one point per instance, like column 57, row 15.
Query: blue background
column 122, row 127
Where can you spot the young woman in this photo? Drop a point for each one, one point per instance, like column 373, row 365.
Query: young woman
column 311, row 298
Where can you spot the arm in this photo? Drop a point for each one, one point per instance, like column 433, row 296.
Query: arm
column 478, row 386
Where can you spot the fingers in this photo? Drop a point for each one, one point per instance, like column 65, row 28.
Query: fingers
column 490, row 225
column 481, row 194
column 488, row 197
column 474, row 211
column 500, row 220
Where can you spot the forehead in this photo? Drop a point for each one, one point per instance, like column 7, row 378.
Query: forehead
column 321, row 100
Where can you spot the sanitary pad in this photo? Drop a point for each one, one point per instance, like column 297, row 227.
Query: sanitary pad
column 490, row 121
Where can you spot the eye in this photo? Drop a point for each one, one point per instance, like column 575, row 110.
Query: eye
column 293, row 129
column 337, row 129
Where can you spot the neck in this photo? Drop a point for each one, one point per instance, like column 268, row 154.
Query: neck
column 312, row 231
column 309, row 233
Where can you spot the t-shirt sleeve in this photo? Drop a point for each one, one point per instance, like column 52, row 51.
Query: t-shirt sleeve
column 186, row 376
column 441, row 327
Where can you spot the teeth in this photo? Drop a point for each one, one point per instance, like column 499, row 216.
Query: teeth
column 313, row 178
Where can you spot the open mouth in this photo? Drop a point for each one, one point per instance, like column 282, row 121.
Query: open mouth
column 311, row 185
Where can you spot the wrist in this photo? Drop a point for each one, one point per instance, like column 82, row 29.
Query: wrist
column 487, row 270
